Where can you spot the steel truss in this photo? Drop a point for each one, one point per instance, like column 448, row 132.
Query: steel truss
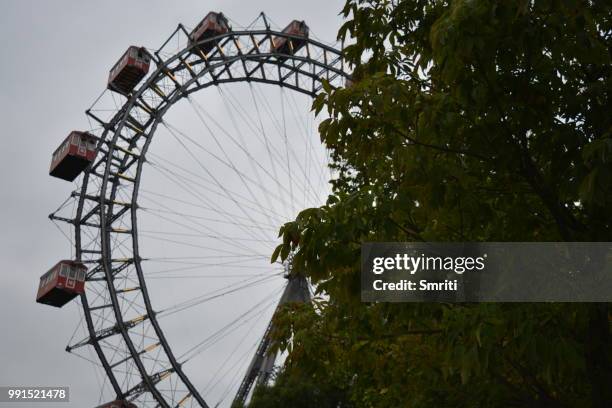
column 120, row 319
column 261, row 366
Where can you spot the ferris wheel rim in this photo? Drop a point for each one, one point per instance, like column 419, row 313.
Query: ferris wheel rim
column 111, row 183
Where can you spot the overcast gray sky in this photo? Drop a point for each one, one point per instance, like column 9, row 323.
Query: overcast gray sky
column 55, row 61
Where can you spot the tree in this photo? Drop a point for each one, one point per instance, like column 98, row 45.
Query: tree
column 466, row 121
column 293, row 389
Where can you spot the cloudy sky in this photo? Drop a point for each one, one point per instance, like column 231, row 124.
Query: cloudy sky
column 55, row 61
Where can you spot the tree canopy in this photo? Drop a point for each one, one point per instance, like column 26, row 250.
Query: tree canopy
column 464, row 121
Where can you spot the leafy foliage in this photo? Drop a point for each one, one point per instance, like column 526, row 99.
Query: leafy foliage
column 293, row 389
column 465, row 121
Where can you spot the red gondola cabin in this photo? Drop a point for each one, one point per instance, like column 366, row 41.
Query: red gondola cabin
column 212, row 25
column 118, row 404
column 129, row 70
column 285, row 45
column 63, row 282
column 73, row 155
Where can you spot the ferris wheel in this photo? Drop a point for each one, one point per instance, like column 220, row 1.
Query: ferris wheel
column 175, row 212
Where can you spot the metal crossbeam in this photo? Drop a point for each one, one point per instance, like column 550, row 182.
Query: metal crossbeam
column 262, row 363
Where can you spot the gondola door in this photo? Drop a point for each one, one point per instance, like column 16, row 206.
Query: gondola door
column 82, row 146
column 71, row 279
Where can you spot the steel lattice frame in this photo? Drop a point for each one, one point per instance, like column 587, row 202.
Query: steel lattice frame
column 121, row 322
